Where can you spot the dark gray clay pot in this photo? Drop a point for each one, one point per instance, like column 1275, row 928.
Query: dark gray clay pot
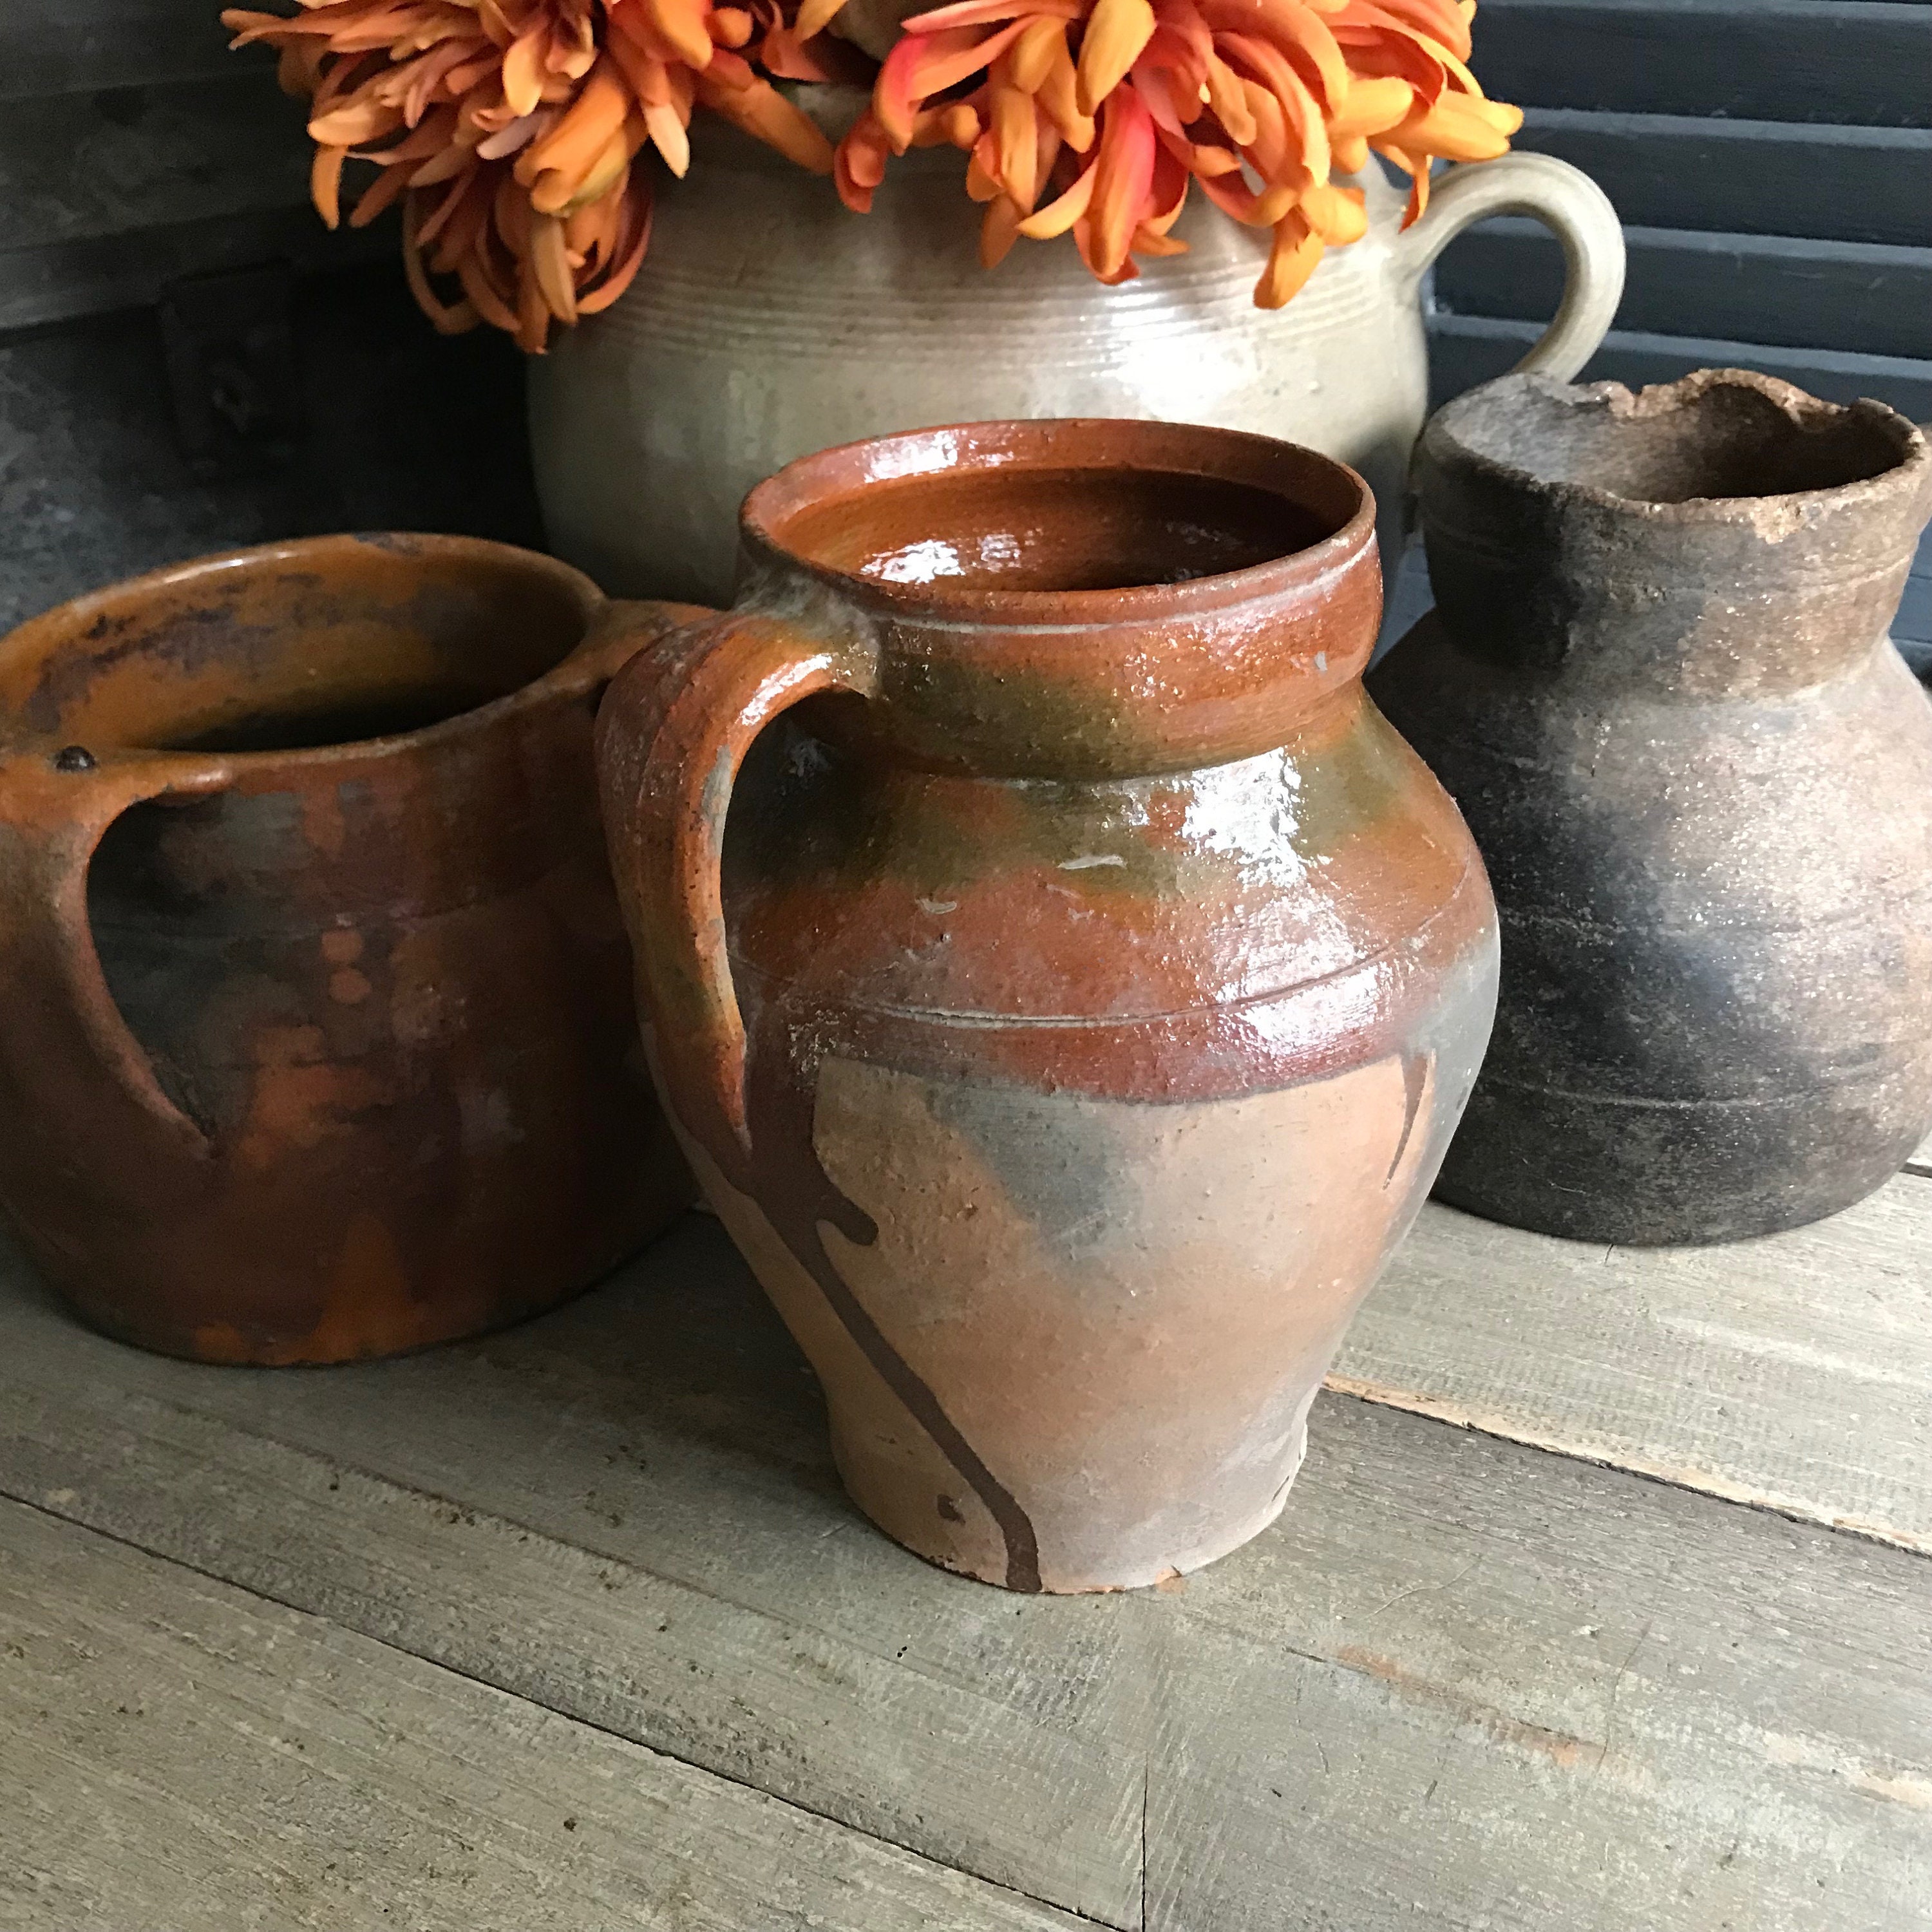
column 1657, row 682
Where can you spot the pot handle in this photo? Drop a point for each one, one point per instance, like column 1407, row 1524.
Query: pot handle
column 620, row 628
column 1567, row 202
column 62, row 1036
column 671, row 737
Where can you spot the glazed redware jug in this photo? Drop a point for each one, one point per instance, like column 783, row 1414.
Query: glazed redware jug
column 317, row 1039
column 1064, row 982
column 1658, row 682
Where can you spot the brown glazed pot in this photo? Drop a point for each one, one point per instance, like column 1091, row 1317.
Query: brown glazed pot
column 1075, row 1012
column 318, row 1041
column 1658, row 683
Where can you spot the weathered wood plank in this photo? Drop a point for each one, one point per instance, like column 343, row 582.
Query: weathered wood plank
column 1858, row 62
column 627, row 1512
column 177, row 1752
column 404, row 430
column 1464, row 1685
column 1465, row 350
column 1921, row 1162
column 1462, row 1682
column 1862, row 296
column 1748, row 177
column 1794, row 1372
column 73, row 46
column 81, row 166
column 68, row 279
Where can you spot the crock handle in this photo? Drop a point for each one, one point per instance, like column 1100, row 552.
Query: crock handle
column 620, row 628
column 673, row 731
column 63, row 1041
column 1567, row 202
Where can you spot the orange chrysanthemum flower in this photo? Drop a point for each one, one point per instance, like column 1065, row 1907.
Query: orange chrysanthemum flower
column 1118, row 106
column 511, row 130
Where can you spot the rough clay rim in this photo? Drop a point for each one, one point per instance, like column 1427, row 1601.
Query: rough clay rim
column 1909, row 473
column 76, row 613
column 1018, row 443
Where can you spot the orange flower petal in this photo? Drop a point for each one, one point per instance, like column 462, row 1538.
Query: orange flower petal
column 681, row 24
column 581, row 134
column 999, row 230
column 1034, row 53
column 1454, row 130
column 814, row 16
column 1059, row 98
column 1225, row 95
column 381, row 194
column 325, row 183
column 620, row 278
column 1117, row 30
column 484, row 297
column 1150, row 241
column 1374, row 106
column 1015, row 132
column 1296, row 255
column 1125, row 169
column 983, row 13
column 1269, row 66
column 922, row 64
column 669, row 136
column 1335, row 214
column 1058, row 216
column 446, row 320
column 762, row 111
column 522, row 71
column 1301, row 34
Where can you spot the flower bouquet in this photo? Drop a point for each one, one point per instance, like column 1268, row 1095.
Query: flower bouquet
column 521, row 136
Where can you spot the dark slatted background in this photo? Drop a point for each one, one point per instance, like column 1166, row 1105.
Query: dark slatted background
column 134, row 149
column 1772, row 160
column 1772, row 163
column 137, row 154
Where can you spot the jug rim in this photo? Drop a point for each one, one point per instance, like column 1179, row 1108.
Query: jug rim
column 1059, row 444
column 85, row 615
column 1445, row 442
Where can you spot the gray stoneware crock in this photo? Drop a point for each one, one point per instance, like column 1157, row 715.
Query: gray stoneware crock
column 1658, row 683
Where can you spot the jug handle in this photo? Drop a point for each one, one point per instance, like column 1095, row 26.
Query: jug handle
column 672, row 733
column 618, row 631
column 1567, row 202
column 54, row 812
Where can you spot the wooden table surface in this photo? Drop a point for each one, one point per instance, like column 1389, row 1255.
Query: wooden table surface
column 1604, row 1603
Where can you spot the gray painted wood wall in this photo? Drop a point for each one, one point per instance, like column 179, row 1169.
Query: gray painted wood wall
column 1772, row 163
column 1772, row 160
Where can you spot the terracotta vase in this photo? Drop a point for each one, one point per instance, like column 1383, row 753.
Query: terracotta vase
column 1658, row 683
column 318, row 1040
column 1067, row 1004
column 769, row 322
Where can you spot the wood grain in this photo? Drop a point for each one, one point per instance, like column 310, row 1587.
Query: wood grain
column 1748, row 177
column 73, row 46
column 1843, row 61
column 106, row 198
column 177, row 1752
column 1865, row 297
column 79, row 166
column 627, row 1512
column 1794, row 1372
column 1467, row 1684
column 1463, row 1682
